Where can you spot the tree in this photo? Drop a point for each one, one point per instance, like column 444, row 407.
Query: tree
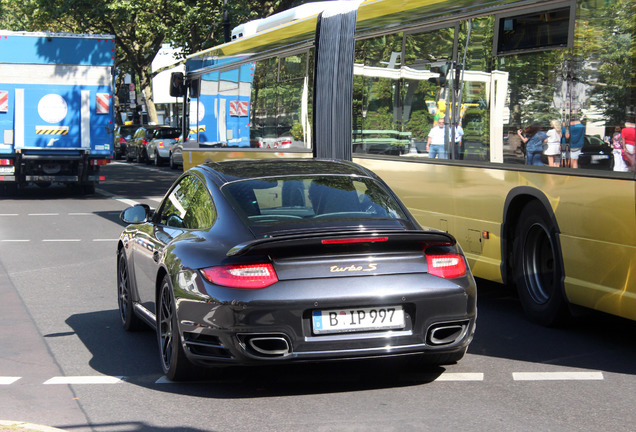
column 140, row 28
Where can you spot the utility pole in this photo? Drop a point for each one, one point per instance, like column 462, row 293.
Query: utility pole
column 226, row 22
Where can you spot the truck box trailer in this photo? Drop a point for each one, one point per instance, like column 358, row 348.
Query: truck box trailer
column 56, row 108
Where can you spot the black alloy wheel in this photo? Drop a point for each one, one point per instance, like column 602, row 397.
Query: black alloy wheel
column 129, row 320
column 173, row 360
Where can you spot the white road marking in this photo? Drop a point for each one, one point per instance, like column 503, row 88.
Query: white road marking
column 6, row 380
column 556, row 376
column 9, row 214
column 460, row 376
column 106, row 240
column 61, row 240
column 84, row 380
column 43, row 214
column 16, row 241
column 80, row 214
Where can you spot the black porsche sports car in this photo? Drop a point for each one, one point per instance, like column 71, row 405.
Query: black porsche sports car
column 290, row 260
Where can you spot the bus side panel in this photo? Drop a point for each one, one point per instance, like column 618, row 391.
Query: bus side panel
column 468, row 201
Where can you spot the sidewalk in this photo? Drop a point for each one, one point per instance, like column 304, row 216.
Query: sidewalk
column 9, row 426
column 24, row 354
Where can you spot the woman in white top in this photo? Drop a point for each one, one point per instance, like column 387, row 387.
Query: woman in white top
column 554, row 144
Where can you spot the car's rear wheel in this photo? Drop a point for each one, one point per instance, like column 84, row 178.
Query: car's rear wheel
column 129, row 320
column 173, row 165
column 157, row 159
column 173, row 360
column 537, row 267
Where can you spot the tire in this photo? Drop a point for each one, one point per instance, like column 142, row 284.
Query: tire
column 538, row 272
column 172, row 164
column 174, row 363
column 129, row 320
column 157, row 160
column 128, row 157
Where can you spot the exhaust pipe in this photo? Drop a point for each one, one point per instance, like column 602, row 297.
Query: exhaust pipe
column 270, row 346
column 445, row 334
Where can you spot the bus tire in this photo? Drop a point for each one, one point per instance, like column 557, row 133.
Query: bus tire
column 538, row 273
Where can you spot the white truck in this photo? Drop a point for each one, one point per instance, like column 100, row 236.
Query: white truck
column 56, row 108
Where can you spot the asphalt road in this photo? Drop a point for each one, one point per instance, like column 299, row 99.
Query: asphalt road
column 66, row 362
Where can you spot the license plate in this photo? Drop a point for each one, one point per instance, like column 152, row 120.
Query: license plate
column 7, row 170
column 357, row 319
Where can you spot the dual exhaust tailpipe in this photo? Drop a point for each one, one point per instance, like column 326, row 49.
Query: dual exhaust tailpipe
column 446, row 333
column 269, row 346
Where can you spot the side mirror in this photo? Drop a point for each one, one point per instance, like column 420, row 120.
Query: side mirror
column 139, row 213
column 195, row 87
column 442, row 71
column 177, row 84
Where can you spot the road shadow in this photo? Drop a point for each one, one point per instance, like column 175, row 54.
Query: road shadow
column 592, row 340
column 135, row 356
column 596, row 342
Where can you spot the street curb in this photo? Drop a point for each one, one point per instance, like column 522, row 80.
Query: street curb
column 16, row 426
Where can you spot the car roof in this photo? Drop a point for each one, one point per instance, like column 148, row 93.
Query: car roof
column 229, row 171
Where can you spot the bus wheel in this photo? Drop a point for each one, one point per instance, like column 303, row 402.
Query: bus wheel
column 537, row 267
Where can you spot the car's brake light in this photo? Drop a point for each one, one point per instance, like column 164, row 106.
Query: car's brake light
column 122, row 140
column 144, row 141
column 242, row 276
column 6, row 162
column 161, row 144
column 354, row 240
column 447, row 266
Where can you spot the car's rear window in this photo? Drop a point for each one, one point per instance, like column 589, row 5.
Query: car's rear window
column 168, row 133
column 291, row 203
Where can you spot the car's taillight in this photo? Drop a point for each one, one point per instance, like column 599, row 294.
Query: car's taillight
column 447, row 266
column 6, row 162
column 161, row 144
column 242, row 276
column 144, row 141
column 122, row 140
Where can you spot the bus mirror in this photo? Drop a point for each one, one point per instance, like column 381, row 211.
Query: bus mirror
column 177, row 87
column 441, row 79
column 195, row 86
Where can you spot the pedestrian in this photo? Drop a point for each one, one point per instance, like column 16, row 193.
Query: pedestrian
column 575, row 134
column 628, row 134
column 553, row 149
column 533, row 137
column 618, row 147
column 436, row 140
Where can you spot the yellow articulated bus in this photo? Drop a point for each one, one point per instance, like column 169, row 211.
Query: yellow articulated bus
column 509, row 124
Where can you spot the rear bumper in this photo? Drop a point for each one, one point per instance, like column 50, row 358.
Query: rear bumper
column 438, row 319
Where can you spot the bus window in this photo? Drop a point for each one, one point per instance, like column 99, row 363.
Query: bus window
column 376, row 119
column 475, row 54
column 427, row 87
column 281, row 97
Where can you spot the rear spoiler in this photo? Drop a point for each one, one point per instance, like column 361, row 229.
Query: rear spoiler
column 430, row 238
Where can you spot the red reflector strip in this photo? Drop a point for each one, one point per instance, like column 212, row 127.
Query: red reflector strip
column 355, row 240
column 102, row 178
column 242, row 276
column 447, row 266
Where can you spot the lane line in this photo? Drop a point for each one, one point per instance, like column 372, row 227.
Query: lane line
column 84, row 380
column 61, row 240
column 557, row 376
column 16, row 241
column 460, row 376
column 9, row 214
column 43, row 214
column 6, row 380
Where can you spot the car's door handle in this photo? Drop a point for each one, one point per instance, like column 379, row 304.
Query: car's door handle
column 156, row 256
